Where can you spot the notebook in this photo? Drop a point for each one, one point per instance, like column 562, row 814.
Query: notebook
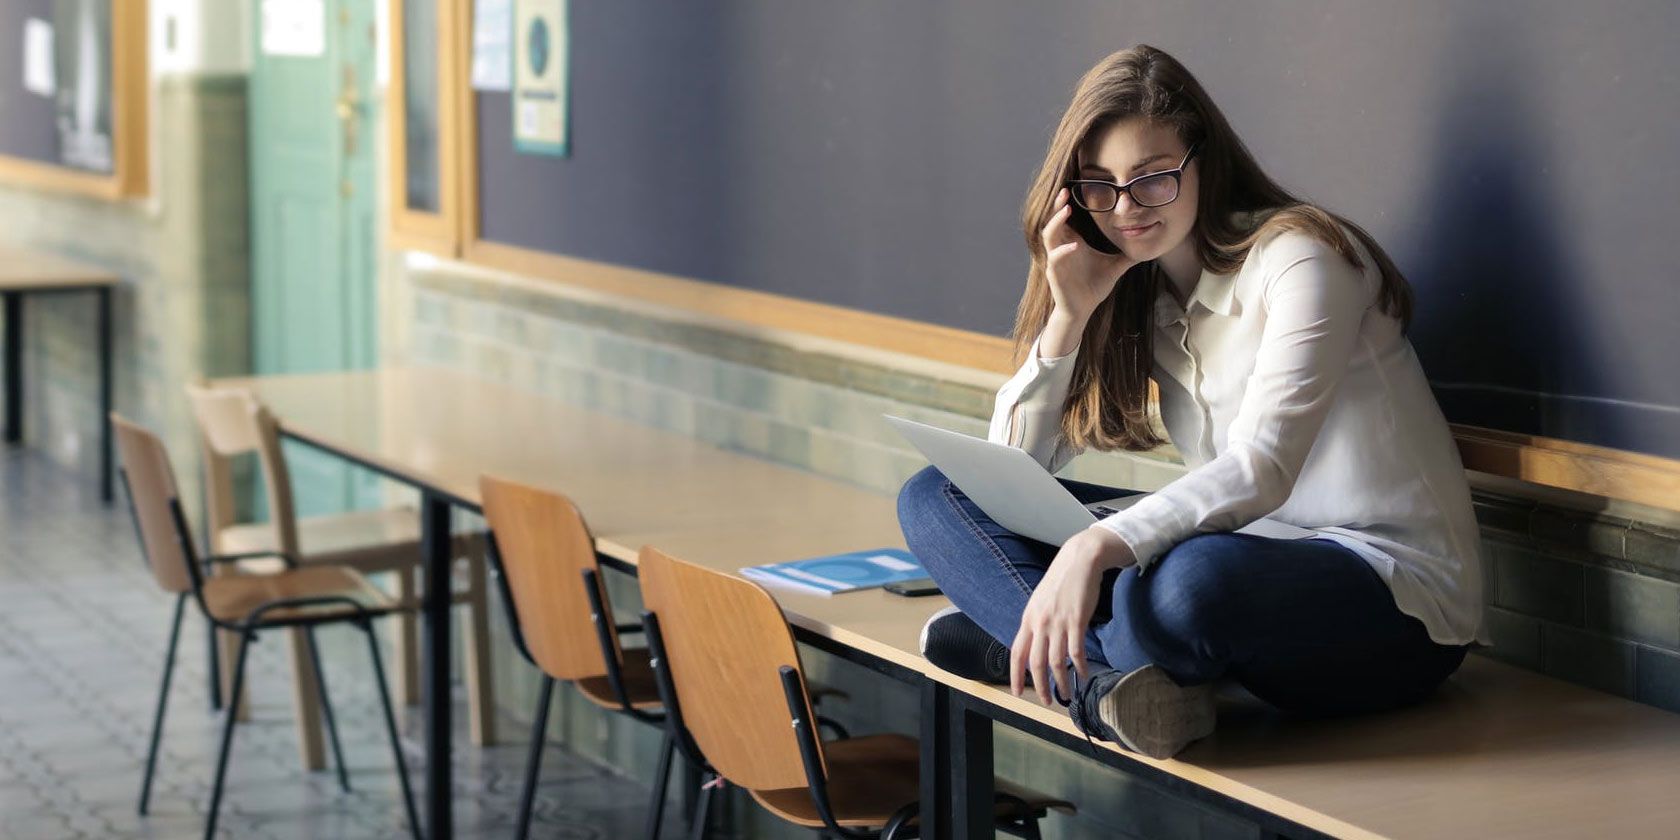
column 835, row 573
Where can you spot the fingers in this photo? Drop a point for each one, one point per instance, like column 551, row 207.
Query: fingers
column 1038, row 663
column 1076, row 651
column 1056, row 656
column 1056, row 220
column 1018, row 661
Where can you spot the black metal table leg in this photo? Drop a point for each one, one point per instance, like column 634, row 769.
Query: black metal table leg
column 105, row 456
column 970, row 764
column 935, row 776
column 14, row 366
column 436, row 559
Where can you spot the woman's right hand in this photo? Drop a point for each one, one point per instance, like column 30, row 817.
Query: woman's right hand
column 1080, row 276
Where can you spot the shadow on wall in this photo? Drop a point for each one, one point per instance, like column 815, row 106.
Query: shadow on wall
column 1499, row 281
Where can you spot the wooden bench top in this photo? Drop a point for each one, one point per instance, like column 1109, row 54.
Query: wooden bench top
column 30, row 271
column 1498, row 752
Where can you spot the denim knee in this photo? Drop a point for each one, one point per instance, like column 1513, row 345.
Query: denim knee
column 921, row 496
column 1179, row 608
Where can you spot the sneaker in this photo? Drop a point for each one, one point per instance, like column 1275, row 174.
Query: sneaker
column 952, row 641
column 1144, row 711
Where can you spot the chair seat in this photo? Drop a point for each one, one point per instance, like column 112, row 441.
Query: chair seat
column 870, row 779
column 639, row 684
column 370, row 540
column 232, row 598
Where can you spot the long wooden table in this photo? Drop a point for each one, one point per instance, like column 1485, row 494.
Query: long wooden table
column 1498, row 752
column 24, row 272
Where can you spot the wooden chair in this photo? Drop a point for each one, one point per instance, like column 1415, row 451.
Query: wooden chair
column 735, row 695
column 301, row 598
column 232, row 422
column 562, row 621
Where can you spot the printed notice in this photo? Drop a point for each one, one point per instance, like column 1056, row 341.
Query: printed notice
column 492, row 59
column 541, row 47
column 38, row 76
column 294, row 27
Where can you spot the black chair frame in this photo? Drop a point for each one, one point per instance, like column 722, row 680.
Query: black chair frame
column 600, row 616
column 355, row 614
column 678, row 733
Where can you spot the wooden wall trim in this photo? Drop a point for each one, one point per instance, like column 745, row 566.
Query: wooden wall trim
column 420, row 230
column 749, row 307
column 1580, row 467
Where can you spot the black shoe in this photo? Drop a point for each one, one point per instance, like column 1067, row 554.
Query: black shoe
column 1144, row 711
column 955, row 643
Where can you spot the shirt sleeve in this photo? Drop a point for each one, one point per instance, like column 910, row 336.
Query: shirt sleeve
column 1314, row 305
column 1028, row 411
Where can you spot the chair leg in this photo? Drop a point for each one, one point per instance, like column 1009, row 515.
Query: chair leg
column 391, row 729
column 327, row 712
column 213, row 652
column 306, row 700
column 163, row 701
column 533, row 759
column 702, row 805
column 230, row 715
column 691, row 779
column 406, row 639
column 661, row 780
column 481, row 694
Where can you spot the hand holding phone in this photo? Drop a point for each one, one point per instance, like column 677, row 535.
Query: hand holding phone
column 1082, row 264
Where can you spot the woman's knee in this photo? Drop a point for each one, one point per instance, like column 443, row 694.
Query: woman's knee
column 1186, row 599
column 921, row 496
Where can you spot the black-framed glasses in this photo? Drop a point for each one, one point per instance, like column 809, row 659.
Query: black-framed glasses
column 1150, row 190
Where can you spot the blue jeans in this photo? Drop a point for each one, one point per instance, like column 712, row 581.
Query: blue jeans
column 1305, row 625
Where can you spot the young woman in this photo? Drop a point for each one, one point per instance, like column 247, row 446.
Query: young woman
column 1274, row 334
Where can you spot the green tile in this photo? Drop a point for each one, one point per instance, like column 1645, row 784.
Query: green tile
column 1655, row 548
column 511, row 326
column 790, row 444
column 1516, row 638
column 1502, row 513
column 1658, row 678
column 1633, row 607
column 1538, row 586
column 1589, row 659
column 742, row 386
column 1583, row 532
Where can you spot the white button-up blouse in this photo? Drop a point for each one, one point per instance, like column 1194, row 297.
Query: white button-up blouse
column 1291, row 395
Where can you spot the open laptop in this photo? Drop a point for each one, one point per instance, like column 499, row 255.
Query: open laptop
column 1019, row 494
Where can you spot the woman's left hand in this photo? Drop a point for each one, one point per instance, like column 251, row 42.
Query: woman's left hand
column 1059, row 612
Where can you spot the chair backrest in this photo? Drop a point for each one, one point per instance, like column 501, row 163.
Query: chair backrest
column 233, row 422
column 153, row 495
column 545, row 546
column 726, row 641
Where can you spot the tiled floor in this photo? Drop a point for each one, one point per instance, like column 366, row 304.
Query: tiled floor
column 82, row 635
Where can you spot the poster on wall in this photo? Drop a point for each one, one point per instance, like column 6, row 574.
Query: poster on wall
column 81, row 53
column 541, row 48
column 492, row 57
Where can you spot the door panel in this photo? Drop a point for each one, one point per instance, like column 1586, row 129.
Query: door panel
column 313, row 237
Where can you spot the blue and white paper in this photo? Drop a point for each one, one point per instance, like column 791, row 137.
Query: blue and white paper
column 840, row 572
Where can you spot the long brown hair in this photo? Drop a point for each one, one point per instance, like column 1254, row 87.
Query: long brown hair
column 1108, row 405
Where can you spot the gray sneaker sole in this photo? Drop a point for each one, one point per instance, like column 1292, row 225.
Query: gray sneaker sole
column 1154, row 715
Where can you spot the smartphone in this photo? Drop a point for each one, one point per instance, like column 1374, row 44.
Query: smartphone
column 913, row 588
column 1080, row 220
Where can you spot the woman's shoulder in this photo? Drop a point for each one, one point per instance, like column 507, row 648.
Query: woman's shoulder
column 1284, row 247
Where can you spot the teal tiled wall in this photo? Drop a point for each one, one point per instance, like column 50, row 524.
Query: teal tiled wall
column 182, row 309
column 1591, row 599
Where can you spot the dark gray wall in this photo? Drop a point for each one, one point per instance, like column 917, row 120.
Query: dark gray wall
column 28, row 127
column 1517, row 158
